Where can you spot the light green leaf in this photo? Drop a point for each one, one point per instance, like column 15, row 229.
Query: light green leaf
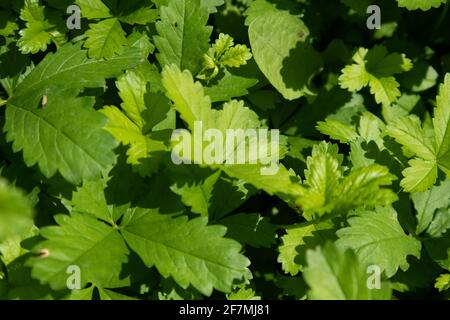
column 188, row 96
column 39, row 32
column 93, row 9
column 105, row 39
column 236, row 56
column 337, row 130
column 16, row 211
column 441, row 122
column 443, row 282
column 375, row 68
column 82, row 294
column 243, row 294
column 106, row 294
column 297, row 240
column 426, row 203
column 419, row 176
column 322, row 177
column 336, row 275
column 408, row 132
column 326, row 189
column 377, row 238
column 230, row 86
column 278, row 42
column 423, row 5
column 431, row 145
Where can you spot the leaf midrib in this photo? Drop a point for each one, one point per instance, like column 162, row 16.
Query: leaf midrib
column 184, row 253
column 61, row 132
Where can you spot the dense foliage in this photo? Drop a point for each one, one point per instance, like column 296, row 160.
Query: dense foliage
column 358, row 208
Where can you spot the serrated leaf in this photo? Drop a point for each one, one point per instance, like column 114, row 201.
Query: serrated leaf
column 337, row 130
column 195, row 187
column 243, row 294
column 375, row 68
column 105, row 39
column 106, row 294
column 377, row 238
column 420, row 4
column 82, row 241
column 16, row 211
column 426, row 203
column 419, row 176
column 189, row 251
column 183, row 35
column 443, row 282
column 408, row 131
column 188, row 96
column 65, row 134
column 326, row 190
column 236, row 56
column 229, row 86
column 333, row 274
column 37, row 34
column 430, row 142
column 93, row 9
column 293, row 238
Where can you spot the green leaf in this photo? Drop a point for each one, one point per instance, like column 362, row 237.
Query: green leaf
column 39, row 32
column 282, row 184
column 419, row 176
column 229, row 86
column 326, row 189
column 296, row 242
column 193, row 105
column 90, row 198
column 408, row 131
column 377, row 238
column 93, row 9
column 243, row 294
column 423, row 5
column 333, row 274
column 82, row 241
column 195, row 186
column 288, row 250
column 105, row 39
column 106, row 294
column 82, row 294
column 141, row 16
column 431, row 145
column 278, row 42
column 440, row 224
column 441, row 124
column 426, row 203
column 183, row 35
column 337, row 130
column 189, row 251
column 375, row 68
column 144, row 114
column 443, row 282
column 188, row 96
column 65, row 134
column 16, row 211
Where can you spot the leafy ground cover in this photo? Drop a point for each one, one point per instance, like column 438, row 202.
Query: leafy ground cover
column 93, row 204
